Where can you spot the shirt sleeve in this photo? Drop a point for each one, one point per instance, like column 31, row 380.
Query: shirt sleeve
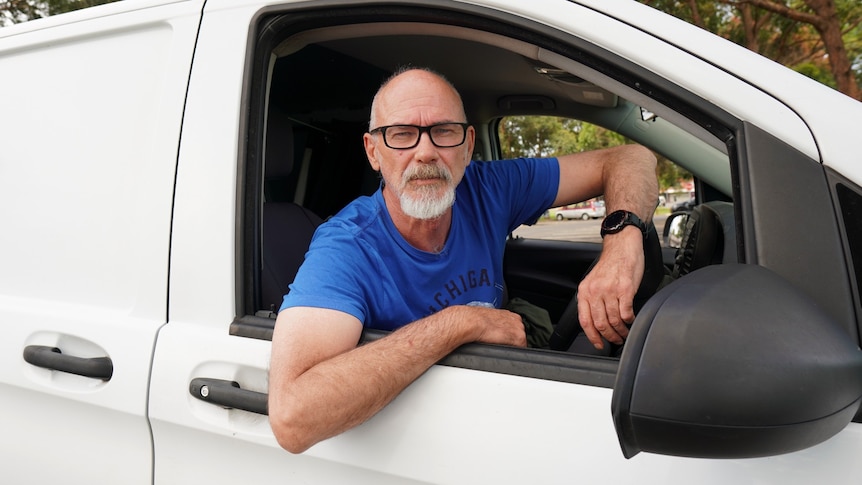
column 523, row 188
column 333, row 275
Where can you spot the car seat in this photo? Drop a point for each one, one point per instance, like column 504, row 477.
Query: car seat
column 287, row 226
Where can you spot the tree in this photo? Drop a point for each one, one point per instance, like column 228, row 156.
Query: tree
column 819, row 38
column 824, row 17
column 549, row 136
column 16, row 11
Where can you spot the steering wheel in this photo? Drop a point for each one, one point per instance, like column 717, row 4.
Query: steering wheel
column 654, row 272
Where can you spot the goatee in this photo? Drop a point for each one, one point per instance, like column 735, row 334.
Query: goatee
column 426, row 201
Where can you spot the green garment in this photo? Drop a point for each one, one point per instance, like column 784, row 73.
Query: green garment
column 537, row 322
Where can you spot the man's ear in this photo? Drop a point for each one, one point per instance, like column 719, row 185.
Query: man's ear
column 371, row 151
column 471, row 143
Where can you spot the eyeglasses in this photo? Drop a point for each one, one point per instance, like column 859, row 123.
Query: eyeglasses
column 443, row 135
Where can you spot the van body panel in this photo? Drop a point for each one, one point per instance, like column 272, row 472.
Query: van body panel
column 88, row 168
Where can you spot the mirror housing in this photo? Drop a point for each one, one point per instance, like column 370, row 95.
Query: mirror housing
column 732, row 361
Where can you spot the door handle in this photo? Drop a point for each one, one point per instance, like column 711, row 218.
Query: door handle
column 228, row 394
column 54, row 359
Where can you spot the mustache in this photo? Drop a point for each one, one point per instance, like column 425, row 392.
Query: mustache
column 424, row 172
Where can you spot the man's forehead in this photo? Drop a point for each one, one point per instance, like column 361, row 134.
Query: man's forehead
column 424, row 110
column 410, row 105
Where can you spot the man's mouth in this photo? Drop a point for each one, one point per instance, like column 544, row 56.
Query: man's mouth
column 427, row 172
column 424, row 179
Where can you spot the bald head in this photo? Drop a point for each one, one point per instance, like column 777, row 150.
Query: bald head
column 411, row 88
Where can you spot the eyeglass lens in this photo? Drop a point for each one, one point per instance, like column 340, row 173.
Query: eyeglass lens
column 445, row 135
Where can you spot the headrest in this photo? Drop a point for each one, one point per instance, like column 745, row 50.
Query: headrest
column 709, row 238
column 279, row 145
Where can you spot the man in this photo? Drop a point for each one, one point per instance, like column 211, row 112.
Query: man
column 413, row 259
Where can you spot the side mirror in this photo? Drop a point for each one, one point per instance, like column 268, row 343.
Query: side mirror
column 732, row 361
column 674, row 227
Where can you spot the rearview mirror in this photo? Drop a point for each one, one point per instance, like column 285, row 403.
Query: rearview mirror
column 732, row 361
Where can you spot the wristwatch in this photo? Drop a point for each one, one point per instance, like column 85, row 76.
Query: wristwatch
column 617, row 220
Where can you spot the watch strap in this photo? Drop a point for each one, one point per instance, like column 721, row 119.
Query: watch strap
column 617, row 220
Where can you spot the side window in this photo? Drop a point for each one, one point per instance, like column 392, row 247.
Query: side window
column 313, row 163
column 850, row 200
column 550, row 136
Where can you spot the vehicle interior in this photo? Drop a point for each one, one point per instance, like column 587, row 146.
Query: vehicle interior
column 320, row 77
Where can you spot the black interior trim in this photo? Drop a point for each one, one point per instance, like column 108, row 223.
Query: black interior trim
column 534, row 363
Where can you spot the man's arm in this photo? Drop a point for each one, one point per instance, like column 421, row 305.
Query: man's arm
column 321, row 384
column 626, row 177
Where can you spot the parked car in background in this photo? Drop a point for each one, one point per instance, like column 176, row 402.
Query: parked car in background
column 592, row 209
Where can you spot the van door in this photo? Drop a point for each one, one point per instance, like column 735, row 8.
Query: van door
column 91, row 117
column 484, row 415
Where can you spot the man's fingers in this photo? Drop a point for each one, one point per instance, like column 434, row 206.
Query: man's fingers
column 585, row 316
column 586, row 320
column 600, row 319
column 501, row 327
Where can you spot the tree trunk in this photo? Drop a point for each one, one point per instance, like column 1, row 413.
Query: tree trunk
column 827, row 23
column 749, row 27
column 829, row 27
column 696, row 18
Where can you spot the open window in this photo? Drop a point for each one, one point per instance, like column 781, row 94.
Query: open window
column 314, row 75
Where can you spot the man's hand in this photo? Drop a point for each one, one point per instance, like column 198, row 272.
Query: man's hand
column 494, row 326
column 606, row 295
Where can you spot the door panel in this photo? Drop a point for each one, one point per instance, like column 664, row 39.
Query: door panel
column 86, row 189
column 451, row 426
column 454, row 424
column 89, row 430
column 547, row 273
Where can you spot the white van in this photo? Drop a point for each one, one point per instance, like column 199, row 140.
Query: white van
column 591, row 209
column 164, row 163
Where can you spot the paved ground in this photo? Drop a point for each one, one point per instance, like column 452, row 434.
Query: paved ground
column 573, row 230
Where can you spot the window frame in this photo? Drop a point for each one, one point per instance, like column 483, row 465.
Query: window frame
column 274, row 24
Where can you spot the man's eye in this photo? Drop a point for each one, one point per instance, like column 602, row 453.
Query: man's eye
column 401, row 133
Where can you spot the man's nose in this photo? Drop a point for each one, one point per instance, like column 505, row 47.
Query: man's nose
column 425, row 150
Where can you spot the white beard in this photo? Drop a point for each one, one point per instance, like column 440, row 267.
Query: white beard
column 424, row 203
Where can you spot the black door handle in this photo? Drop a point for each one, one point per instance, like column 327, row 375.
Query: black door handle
column 52, row 358
column 229, row 395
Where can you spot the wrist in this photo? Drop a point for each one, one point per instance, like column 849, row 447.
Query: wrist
column 629, row 238
column 618, row 220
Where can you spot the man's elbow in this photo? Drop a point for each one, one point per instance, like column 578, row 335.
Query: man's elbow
column 288, row 431
column 291, row 444
column 644, row 154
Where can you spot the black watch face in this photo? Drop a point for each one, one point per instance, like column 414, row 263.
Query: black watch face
column 614, row 220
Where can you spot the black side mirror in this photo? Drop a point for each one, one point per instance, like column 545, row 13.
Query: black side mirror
column 732, row 361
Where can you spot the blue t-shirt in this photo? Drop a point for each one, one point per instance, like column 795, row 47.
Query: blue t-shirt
column 360, row 264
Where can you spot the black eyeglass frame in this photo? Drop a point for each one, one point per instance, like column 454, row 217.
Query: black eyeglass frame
column 422, row 129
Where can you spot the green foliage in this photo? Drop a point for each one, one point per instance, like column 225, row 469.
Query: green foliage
column 816, row 72
column 16, row 11
column 549, row 136
column 670, row 175
column 789, row 32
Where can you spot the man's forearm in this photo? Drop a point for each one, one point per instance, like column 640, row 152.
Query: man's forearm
column 630, row 182
column 342, row 392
